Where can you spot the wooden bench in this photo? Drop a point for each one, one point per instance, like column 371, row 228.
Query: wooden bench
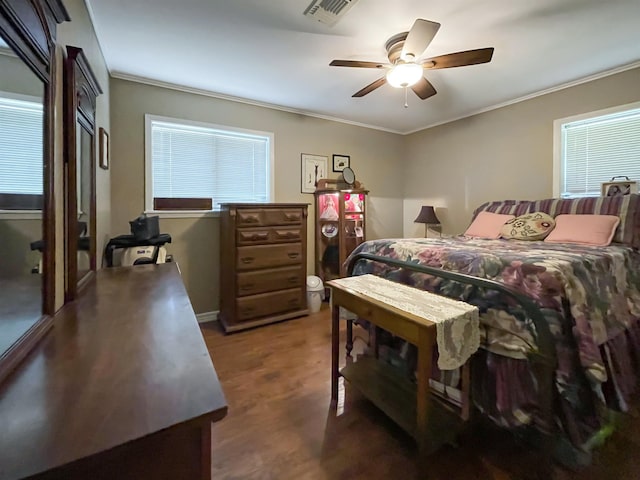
column 409, row 405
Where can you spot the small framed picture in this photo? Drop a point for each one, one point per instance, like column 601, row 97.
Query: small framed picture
column 104, row 148
column 314, row 167
column 618, row 189
column 340, row 162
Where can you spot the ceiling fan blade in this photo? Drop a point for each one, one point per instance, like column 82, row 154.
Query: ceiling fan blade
column 371, row 87
column 356, row 63
column 459, row 59
column 424, row 89
column 418, row 39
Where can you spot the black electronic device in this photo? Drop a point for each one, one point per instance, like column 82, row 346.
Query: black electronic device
column 144, row 227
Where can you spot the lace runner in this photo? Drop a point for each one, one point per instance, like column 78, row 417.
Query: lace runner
column 457, row 323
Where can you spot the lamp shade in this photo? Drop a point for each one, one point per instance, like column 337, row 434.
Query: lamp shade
column 427, row 215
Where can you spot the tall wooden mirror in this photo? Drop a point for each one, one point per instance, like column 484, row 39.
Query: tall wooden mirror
column 81, row 90
column 27, row 237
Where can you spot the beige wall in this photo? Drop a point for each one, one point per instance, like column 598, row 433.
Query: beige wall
column 504, row 153
column 375, row 156
column 16, row 77
column 18, row 259
column 79, row 33
column 18, row 233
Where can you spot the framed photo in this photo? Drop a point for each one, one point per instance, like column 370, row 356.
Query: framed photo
column 618, row 189
column 104, row 148
column 340, row 162
column 314, row 167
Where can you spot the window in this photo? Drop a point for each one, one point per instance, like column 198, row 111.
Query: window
column 591, row 149
column 197, row 166
column 21, row 161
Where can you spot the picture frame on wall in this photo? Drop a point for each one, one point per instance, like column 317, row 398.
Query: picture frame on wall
column 618, row 189
column 313, row 168
column 103, row 149
column 340, row 162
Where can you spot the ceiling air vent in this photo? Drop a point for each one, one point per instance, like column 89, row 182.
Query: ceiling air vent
column 328, row 11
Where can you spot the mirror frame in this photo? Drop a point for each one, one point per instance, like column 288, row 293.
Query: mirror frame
column 81, row 89
column 29, row 28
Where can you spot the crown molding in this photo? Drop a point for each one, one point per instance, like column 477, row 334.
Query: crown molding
column 255, row 103
column 573, row 83
column 207, row 93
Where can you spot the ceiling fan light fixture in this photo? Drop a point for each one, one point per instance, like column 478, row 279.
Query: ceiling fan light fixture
column 404, row 75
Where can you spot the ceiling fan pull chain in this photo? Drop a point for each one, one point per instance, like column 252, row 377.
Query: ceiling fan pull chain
column 406, row 101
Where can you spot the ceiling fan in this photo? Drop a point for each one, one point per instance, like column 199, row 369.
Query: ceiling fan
column 405, row 70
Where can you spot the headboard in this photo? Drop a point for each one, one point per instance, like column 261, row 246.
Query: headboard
column 626, row 207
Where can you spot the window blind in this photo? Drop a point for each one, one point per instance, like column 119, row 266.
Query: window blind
column 599, row 148
column 197, row 162
column 21, row 157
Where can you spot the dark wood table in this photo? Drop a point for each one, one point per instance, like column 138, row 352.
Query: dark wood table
column 122, row 387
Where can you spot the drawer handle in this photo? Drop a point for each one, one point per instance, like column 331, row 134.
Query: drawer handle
column 292, row 216
column 247, row 259
column 247, row 286
column 252, row 219
column 259, row 236
column 293, row 255
column 248, row 309
column 293, row 302
column 288, row 235
column 292, row 279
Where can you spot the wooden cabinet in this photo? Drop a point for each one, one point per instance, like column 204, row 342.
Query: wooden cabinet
column 340, row 227
column 263, row 263
column 122, row 388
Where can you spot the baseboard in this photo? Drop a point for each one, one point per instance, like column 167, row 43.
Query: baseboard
column 207, row 317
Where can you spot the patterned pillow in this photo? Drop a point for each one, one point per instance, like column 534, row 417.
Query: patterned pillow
column 531, row 226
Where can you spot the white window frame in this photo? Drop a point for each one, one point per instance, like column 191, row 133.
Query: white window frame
column 23, row 214
column 558, row 154
column 148, row 149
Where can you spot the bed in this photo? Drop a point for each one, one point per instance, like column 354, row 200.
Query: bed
column 586, row 329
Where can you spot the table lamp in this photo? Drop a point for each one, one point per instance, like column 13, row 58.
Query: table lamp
column 427, row 216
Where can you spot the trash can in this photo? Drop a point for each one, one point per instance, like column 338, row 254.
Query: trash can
column 315, row 293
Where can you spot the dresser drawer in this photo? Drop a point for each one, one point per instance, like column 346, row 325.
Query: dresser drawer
column 283, row 216
column 250, row 283
column 265, row 304
column 256, row 217
column 266, row 256
column 253, row 236
column 249, row 217
column 257, row 236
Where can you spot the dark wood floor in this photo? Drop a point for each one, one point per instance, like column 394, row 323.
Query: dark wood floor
column 280, row 425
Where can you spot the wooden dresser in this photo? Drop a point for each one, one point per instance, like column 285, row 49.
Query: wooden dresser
column 263, row 263
column 121, row 388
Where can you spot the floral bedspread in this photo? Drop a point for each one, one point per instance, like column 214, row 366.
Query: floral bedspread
column 587, row 294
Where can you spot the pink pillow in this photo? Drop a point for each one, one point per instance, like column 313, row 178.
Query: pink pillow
column 597, row 230
column 487, row 225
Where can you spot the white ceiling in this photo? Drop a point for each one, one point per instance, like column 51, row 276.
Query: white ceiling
column 268, row 52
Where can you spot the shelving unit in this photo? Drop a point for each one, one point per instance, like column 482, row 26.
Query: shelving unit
column 340, row 227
